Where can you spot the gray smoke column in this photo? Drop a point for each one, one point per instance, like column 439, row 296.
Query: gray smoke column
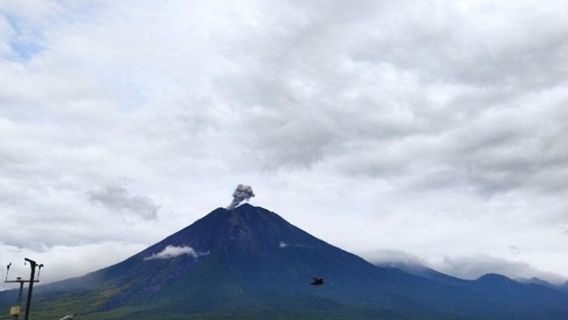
column 241, row 193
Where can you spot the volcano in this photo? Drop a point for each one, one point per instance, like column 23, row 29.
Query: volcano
column 249, row 263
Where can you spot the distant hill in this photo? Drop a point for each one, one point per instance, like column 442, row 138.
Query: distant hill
column 249, row 263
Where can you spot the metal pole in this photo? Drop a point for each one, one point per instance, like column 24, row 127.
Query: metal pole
column 30, row 288
column 21, row 292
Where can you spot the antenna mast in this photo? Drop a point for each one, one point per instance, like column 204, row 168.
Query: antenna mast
column 16, row 310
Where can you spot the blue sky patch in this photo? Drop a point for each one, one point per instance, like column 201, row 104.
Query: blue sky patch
column 25, row 43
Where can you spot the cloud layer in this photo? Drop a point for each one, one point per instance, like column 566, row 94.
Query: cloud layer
column 172, row 252
column 436, row 128
column 118, row 198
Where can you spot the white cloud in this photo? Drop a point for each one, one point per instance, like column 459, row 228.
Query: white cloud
column 393, row 258
column 464, row 267
column 171, row 252
column 117, row 198
column 435, row 129
column 473, row 267
column 61, row 262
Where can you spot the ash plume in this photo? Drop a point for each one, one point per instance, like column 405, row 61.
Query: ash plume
column 241, row 193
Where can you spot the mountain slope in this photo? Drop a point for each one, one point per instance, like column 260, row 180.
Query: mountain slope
column 251, row 263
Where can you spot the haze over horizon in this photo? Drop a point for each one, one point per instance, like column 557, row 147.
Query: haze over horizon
column 432, row 133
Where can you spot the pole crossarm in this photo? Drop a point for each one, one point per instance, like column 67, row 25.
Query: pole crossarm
column 15, row 310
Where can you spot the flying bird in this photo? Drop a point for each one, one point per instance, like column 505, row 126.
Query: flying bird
column 317, row 282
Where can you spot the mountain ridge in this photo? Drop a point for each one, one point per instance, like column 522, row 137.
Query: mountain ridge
column 250, row 261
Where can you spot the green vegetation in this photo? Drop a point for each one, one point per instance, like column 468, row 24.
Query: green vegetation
column 76, row 303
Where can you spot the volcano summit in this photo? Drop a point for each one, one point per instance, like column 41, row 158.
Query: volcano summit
column 249, row 263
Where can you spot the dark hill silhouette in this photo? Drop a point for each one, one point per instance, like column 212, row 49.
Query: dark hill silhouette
column 249, row 263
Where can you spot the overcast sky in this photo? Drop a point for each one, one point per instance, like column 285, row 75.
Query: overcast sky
column 432, row 131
